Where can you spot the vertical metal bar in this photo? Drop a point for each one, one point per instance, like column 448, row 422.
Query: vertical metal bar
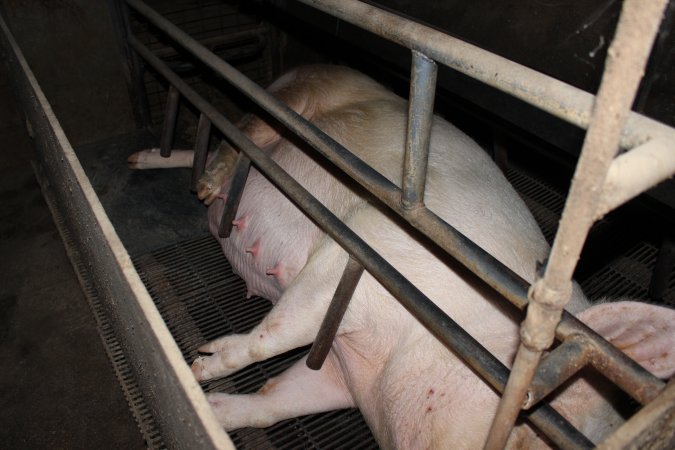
column 169, row 126
column 624, row 67
column 665, row 263
column 420, row 118
column 237, row 184
column 334, row 314
column 201, row 150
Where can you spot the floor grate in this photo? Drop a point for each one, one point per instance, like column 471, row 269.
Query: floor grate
column 201, row 299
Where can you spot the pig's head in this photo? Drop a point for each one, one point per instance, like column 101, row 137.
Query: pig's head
column 644, row 332
column 220, row 167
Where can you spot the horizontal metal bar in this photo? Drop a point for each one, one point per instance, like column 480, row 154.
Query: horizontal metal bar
column 485, row 266
column 226, row 40
column 633, row 172
column 546, row 93
column 424, row 310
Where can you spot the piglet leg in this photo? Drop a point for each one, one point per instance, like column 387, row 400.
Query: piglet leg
column 296, row 392
column 151, row 159
column 293, row 322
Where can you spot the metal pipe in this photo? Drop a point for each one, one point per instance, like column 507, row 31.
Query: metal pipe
column 425, row 311
column 201, row 150
column 241, row 169
column 487, row 268
column 420, row 118
column 334, row 314
column 254, row 36
column 556, row 368
column 546, row 93
column 624, row 67
column 633, row 172
column 169, row 126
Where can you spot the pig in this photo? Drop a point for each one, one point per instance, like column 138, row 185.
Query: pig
column 412, row 391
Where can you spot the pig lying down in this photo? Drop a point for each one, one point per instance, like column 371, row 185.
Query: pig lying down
column 412, row 391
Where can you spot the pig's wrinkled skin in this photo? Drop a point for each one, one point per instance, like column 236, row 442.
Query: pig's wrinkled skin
column 413, row 392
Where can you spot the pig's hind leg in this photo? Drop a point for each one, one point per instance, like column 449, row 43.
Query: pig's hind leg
column 296, row 392
column 293, row 322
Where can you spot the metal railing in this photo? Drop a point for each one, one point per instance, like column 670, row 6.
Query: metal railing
column 646, row 138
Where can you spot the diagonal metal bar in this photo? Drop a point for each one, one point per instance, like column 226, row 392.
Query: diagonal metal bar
column 334, row 314
column 241, row 169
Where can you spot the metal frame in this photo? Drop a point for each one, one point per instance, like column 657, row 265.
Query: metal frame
column 647, row 140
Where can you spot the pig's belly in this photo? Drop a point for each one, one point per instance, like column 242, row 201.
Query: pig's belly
column 270, row 241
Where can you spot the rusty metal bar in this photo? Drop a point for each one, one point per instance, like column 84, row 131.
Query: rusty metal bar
column 556, row 368
column 420, row 118
column 169, row 126
column 241, row 169
column 334, row 314
column 424, row 310
column 201, row 150
column 481, row 263
column 546, row 93
column 652, row 427
column 624, row 67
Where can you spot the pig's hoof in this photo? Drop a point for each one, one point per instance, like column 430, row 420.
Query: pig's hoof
column 200, row 370
column 145, row 159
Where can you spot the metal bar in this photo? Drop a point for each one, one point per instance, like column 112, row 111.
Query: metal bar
column 652, row 427
column 334, row 314
column 546, row 93
column 254, row 36
column 169, row 126
column 420, row 117
column 664, row 266
column 634, row 172
column 481, row 263
column 626, row 59
column 241, row 169
column 426, row 312
column 201, row 150
column 559, row 366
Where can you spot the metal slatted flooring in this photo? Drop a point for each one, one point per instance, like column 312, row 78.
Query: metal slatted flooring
column 201, row 299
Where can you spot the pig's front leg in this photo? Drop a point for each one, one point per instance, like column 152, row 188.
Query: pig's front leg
column 293, row 322
column 296, row 392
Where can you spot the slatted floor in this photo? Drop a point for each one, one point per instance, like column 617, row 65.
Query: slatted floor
column 200, row 299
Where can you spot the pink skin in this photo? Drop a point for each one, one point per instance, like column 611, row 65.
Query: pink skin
column 412, row 391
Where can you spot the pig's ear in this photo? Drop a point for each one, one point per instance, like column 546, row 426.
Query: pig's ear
column 644, row 332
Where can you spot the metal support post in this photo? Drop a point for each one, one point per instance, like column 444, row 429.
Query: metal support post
column 169, row 126
column 624, row 67
column 241, row 169
column 201, row 150
column 420, row 118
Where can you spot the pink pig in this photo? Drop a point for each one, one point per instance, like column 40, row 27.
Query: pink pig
column 413, row 392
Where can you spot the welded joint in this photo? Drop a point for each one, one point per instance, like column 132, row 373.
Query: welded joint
column 543, row 314
column 559, row 366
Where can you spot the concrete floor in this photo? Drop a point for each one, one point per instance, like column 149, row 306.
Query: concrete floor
column 57, row 388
